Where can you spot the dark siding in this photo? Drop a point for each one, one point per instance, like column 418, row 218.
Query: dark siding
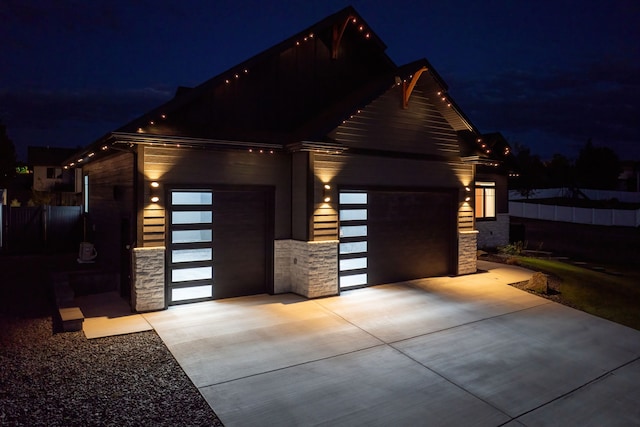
column 111, row 201
column 300, row 175
column 280, row 93
column 191, row 167
column 384, row 125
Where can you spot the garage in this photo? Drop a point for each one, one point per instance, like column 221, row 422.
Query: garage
column 392, row 236
column 218, row 244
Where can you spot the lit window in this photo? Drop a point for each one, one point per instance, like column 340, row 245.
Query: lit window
column 485, row 200
column 86, row 193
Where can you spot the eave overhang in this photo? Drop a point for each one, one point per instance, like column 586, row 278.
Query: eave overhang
column 125, row 141
column 317, row 147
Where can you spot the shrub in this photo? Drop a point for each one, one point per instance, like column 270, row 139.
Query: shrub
column 514, row 248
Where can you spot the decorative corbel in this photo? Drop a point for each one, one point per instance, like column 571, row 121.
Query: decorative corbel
column 408, row 88
column 338, row 32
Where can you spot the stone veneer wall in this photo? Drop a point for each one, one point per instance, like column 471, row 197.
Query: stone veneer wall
column 309, row 269
column 147, row 281
column 493, row 233
column 467, row 252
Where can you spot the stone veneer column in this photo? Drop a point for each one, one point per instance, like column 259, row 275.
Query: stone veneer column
column 147, row 293
column 467, row 252
column 309, row 269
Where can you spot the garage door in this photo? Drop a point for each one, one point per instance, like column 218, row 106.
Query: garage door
column 392, row 236
column 218, row 244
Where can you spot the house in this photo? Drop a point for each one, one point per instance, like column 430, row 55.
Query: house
column 314, row 167
column 492, row 192
column 49, row 178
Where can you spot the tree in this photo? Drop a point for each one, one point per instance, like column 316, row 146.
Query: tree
column 7, row 158
column 560, row 171
column 532, row 171
column 597, row 167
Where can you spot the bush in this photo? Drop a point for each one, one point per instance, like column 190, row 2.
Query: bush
column 514, row 248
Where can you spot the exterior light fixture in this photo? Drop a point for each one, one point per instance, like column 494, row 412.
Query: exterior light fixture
column 326, row 193
column 155, row 198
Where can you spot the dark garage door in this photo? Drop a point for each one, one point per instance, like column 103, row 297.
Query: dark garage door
column 409, row 235
column 218, row 244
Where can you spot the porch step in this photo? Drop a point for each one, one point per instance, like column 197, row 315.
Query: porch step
column 70, row 316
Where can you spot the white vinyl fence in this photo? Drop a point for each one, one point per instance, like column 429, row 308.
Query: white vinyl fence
column 618, row 217
column 547, row 193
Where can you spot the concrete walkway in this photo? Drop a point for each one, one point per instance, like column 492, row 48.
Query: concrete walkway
column 468, row 350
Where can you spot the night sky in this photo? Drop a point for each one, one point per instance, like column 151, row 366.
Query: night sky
column 547, row 74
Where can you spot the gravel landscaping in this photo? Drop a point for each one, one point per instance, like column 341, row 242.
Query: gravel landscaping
column 63, row 379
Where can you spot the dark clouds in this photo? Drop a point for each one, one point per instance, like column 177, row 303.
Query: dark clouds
column 563, row 107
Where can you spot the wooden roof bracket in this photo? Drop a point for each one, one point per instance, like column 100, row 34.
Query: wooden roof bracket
column 408, row 88
column 337, row 36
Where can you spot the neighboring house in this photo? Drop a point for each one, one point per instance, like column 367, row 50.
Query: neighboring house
column 492, row 192
column 314, row 167
column 49, row 177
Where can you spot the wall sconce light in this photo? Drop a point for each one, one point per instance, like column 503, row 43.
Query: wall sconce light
column 468, row 197
column 154, row 193
column 326, row 193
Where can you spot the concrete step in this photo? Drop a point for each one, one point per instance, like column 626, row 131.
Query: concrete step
column 71, row 318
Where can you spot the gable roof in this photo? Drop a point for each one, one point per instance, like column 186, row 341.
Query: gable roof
column 300, row 89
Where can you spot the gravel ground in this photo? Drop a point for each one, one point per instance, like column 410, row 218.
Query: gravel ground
column 63, row 379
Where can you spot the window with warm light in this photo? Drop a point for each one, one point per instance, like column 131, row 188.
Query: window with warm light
column 485, row 200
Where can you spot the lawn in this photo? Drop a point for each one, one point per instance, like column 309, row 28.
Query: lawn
column 613, row 297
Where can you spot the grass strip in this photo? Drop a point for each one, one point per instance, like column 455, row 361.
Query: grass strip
column 616, row 298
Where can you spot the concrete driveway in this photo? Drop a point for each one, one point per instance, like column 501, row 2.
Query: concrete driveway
column 468, row 350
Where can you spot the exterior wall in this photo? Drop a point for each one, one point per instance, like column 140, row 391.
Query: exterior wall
column 148, row 288
column 309, row 269
column 111, row 218
column 467, row 252
column 42, row 183
column 184, row 166
column 492, row 234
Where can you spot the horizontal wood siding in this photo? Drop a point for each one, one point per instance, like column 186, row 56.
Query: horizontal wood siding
column 384, row 125
column 191, row 167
